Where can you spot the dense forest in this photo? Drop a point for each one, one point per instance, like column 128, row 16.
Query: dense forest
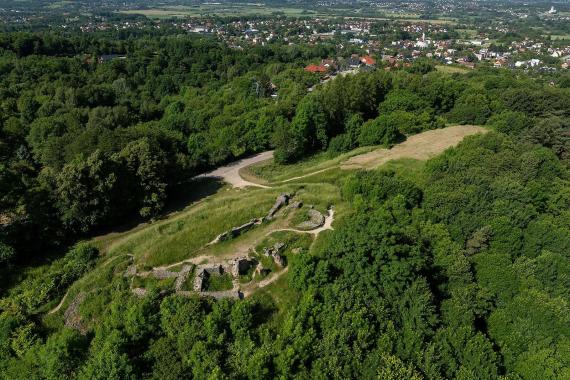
column 87, row 143
column 462, row 272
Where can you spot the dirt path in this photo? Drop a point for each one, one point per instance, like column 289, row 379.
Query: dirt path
column 107, row 262
column 267, row 281
column 230, row 173
column 263, row 283
column 60, row 304
column 307, row 175
column 327, row 225
column 420, row 147
column 240, row 251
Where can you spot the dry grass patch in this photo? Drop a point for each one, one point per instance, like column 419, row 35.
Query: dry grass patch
column 422, row 146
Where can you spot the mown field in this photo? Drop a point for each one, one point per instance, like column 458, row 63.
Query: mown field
column 219, row 9
column 419, row 147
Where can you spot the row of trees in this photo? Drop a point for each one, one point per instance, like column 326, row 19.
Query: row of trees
column 380, row 108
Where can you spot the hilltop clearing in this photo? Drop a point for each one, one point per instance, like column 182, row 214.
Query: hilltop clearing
column 231, row 225
column 226, row 244
column 418, row 147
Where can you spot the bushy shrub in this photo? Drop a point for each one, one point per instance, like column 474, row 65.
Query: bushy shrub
column 6, row 253
column 340, row 144
column 378, row 131
column 471, row 108
column 37, row 290
column 403, row 100
column 509, row 122
column 378, row 186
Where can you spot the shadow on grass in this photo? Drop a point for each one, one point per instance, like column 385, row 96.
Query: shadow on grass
column 179, row 197
column 190, row 192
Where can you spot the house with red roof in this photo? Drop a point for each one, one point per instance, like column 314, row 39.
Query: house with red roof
column 316, row 69
column 368, row 60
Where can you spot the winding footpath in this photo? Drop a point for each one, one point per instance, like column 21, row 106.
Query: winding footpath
column 230, row 172
column 60, row 304
column 327, row 225
column 249, row 288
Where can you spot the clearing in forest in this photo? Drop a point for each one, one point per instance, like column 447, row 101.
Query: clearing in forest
column 420, row 147
column 417, row 147
column 187, row 242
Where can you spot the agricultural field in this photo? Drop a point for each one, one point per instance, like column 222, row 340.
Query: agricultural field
column 218, row 9
column 560, row 37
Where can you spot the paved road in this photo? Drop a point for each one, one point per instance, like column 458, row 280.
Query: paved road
column 230, row 172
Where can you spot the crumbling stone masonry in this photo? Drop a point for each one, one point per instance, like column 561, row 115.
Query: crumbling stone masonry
column 162, row 274
column 131, row 271
column 261, row 271
column 199, row 281
column 202, row 274
column 139, row 292
column 72, row 317
column 281, row 201
column 316, row 220
column 182, row 276
column 224, row 294
column 296, row 204
column 274, row 253
column 235, row 231
column 240, row 265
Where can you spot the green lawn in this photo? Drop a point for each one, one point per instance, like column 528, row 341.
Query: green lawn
column 186, row 234
column 452, row 69
column 216, row 283
column 271, row 172
column 179, row 237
